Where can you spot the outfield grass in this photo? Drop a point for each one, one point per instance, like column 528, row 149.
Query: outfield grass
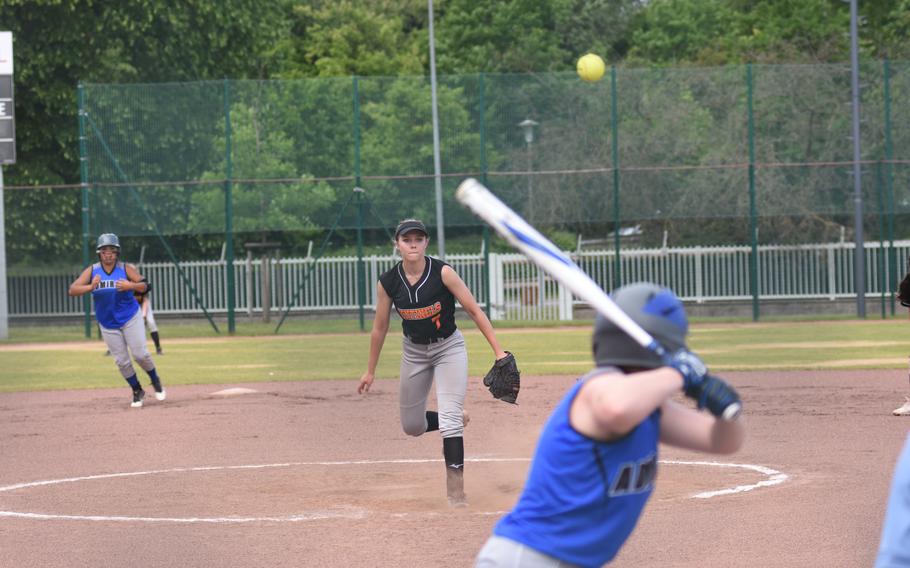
column 328, row 349
column 244, row 328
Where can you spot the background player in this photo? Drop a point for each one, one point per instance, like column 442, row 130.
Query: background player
column 894, row 549
column 596, row 460
column 112, row 284
column 904, row 296
column 423, row 291
column 145, row 306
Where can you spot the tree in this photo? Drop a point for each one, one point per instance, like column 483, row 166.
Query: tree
column 59, row 43
column 350, row 38
column 712, row 32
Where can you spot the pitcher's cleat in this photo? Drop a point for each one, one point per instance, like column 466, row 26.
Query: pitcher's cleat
column 458, row 502
column 137, row 398
column 903, row 410
column 161, row 395
column 455, row 487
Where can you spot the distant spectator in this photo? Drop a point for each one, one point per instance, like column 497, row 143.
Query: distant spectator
column 145, row 304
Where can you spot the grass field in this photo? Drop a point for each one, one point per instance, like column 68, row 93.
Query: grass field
column 44, row 358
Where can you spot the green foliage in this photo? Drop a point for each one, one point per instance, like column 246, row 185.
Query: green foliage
column 711, row 32
column 296, row 131
column 260, row 152
column 350, row 38
column 673, row 31
column 886, row 29
column 59, row 43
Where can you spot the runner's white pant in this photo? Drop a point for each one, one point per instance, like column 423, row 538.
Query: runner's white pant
column 445, row 361
column 149, row 315
column 128, row 339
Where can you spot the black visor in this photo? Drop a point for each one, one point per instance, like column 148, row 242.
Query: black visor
column 410, row 225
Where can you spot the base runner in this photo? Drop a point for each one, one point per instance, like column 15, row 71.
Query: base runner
column 423, row 291
column 595, row 465
column 112, row 284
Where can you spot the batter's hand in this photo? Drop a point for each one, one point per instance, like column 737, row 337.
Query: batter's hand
column 366, row 381
column 692, row 369
column 717, row 396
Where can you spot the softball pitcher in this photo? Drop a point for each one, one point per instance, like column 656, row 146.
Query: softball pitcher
column 423, row 291
column 112, row 284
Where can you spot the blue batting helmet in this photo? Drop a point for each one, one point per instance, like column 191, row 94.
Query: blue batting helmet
column 657, row 310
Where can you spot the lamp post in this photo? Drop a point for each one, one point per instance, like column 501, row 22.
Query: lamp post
column 527, row 125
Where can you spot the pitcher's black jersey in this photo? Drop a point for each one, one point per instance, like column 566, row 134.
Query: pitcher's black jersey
column 427, row 308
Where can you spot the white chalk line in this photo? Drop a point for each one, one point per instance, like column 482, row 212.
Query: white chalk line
column 774, row 477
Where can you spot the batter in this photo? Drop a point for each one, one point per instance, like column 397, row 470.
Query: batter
column 595, row 465
column 112, row 284
column 424, row 291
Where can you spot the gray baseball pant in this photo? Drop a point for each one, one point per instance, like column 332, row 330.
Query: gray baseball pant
column 128, row 339
column 445, row 361
column 501, row 552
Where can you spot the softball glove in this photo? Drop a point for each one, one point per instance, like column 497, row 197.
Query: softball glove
column 504, row 379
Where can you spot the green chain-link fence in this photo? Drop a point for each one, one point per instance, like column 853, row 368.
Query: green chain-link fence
column 725, row 155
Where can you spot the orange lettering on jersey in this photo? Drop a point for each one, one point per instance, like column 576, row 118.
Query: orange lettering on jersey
column 423, row 313
column 436, row 319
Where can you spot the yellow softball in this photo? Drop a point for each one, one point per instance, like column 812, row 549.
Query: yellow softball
column 591, row 67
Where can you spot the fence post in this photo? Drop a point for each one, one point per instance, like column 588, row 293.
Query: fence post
column 482, row 125
column 753, row 214
column 83, row 175
column 565, row 302
column 361, row 277
column 497, row 311
column 614, row 119
column 229, row 212
column 361, row 272
column 889, row 181
column 882, row 273
column 832, row 276
column 249, row 284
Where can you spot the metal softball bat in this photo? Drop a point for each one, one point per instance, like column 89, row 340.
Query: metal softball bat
column 527, row 240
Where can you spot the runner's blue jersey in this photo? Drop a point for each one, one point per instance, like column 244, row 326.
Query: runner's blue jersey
column 112, row 308
column 583, row 497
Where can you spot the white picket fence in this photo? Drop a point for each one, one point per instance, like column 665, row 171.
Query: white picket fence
column 517, row 289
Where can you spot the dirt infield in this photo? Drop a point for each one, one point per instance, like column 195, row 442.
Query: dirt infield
column 312, row 474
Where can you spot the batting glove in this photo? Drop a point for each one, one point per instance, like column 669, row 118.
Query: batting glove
column 718, row 397
column 691, row 368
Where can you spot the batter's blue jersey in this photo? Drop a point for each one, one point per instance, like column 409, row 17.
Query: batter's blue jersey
column 112, row 308
column 583, row 497
column 894, row 551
